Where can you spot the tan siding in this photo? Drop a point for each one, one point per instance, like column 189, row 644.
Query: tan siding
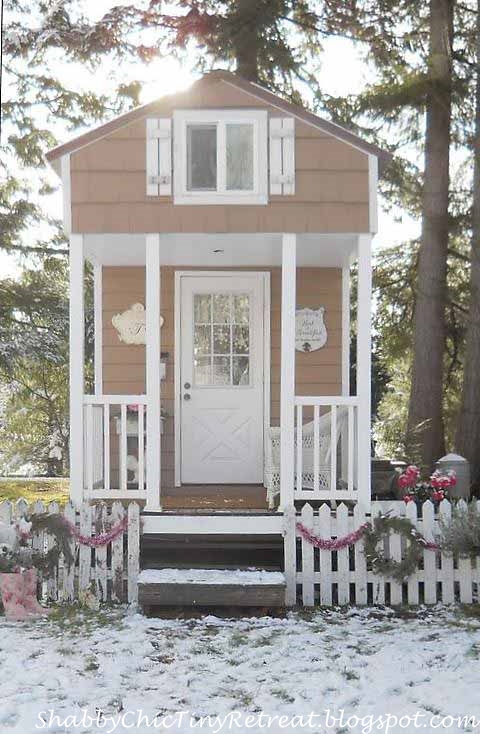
column 108, row 188
column 318, row 373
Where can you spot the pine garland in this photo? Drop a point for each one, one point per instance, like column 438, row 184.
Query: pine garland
column 381, row 528
column 373, row 534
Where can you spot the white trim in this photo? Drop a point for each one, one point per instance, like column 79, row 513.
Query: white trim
column 364, row 309
column 258, row 118
column 177, row 405
column 373, row 193
column 267, row 355
column 66, row 192
column 118, row 494
column 215, row 523
column 346, row 330
column 179, row 274
column 98, row 327
column 152, row 303
column 287, row 377
column 77, row 338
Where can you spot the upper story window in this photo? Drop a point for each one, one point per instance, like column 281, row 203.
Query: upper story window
column 220, row 156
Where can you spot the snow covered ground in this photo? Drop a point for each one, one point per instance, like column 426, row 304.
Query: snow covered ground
column 113, row 665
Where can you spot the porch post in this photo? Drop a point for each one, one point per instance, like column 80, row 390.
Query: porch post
column 287, row 372
column 364, row 339
column 152, row 307
column 77, row 339
column 287, row 411
column 346, row 329
column 98, row 328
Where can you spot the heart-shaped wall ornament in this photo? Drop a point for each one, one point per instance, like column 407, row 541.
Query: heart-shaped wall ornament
column 131, row 324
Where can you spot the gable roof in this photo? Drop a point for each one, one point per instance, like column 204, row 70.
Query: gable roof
column 226, row 77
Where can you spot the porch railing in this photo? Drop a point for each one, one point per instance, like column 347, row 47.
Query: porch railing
column 114, row 446
column 326, row 440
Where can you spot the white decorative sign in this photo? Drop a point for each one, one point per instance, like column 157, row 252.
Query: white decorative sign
column 310, row 331
column 131, row 324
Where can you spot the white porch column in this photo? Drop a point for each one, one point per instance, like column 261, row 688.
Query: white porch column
column 152, row 307
column 287, row 411
column 77, row 339
column 98, row 328
column 346, row 329
column 287, row 372
column 364, row 348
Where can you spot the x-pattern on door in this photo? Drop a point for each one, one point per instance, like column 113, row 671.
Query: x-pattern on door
column 222, row 400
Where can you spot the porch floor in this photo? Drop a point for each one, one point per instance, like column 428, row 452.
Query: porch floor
column 215, row 497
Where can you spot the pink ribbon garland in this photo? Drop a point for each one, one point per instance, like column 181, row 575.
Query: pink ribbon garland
column 351, row 539
column 331, row 544
column 97, row 540
column 427, row 544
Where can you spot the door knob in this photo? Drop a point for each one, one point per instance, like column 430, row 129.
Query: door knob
column 186, row 396
column 187, row 386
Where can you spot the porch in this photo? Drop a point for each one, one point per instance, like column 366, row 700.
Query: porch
column 122, row 447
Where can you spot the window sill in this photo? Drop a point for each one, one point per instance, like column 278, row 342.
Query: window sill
column 220, row 199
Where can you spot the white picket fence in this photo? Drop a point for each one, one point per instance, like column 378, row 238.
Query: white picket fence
column 323, row 577
column 342, row 577
column 109, row 571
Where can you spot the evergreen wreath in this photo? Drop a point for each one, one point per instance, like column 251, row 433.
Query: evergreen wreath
column 380, row 529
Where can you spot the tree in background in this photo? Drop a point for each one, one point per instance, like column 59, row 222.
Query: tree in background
column 425, row 430
column 468, row 433
column 275, row 43
column 34, row 366
column 422, row 96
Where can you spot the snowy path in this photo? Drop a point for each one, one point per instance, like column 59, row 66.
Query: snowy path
column 367, row 663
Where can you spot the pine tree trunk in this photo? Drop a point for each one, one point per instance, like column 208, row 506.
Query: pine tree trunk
column 425, row 432
column 468, row 431
column 245, row 39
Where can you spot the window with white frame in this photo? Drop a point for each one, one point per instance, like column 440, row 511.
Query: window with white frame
column 220, row 156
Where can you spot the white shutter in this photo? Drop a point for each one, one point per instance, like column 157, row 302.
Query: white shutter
column 282, row 156
column 159, row 157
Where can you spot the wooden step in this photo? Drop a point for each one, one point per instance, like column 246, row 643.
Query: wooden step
column 212, row 551
column 172, row 587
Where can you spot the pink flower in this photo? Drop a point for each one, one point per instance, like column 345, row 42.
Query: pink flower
column 408, row 498
column 443, row 481
column 438, row 495
column 409, row 477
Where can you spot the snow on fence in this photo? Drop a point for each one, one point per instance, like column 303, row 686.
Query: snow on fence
column 109, row 571
column 329, row 577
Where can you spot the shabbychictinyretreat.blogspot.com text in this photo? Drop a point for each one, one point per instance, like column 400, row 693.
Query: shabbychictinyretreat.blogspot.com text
column 324, row 721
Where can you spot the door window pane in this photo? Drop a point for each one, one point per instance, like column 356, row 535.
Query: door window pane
column 202, row 157
column 240, row 371
column 202, row 339
column 221, row 339
column 240, row 339
column 221, row 371
column 202, row 308
column 221, row 308
column 239, row 157
column 241, row 311
column 202, row 370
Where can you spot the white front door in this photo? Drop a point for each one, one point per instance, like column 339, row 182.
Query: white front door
column 222, row 390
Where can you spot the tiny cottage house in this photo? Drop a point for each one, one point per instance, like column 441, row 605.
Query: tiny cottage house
column 221, row 224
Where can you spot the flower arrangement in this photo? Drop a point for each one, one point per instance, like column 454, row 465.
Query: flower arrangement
column 416, row 489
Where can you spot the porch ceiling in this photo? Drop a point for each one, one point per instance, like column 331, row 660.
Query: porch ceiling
column 221, row 250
